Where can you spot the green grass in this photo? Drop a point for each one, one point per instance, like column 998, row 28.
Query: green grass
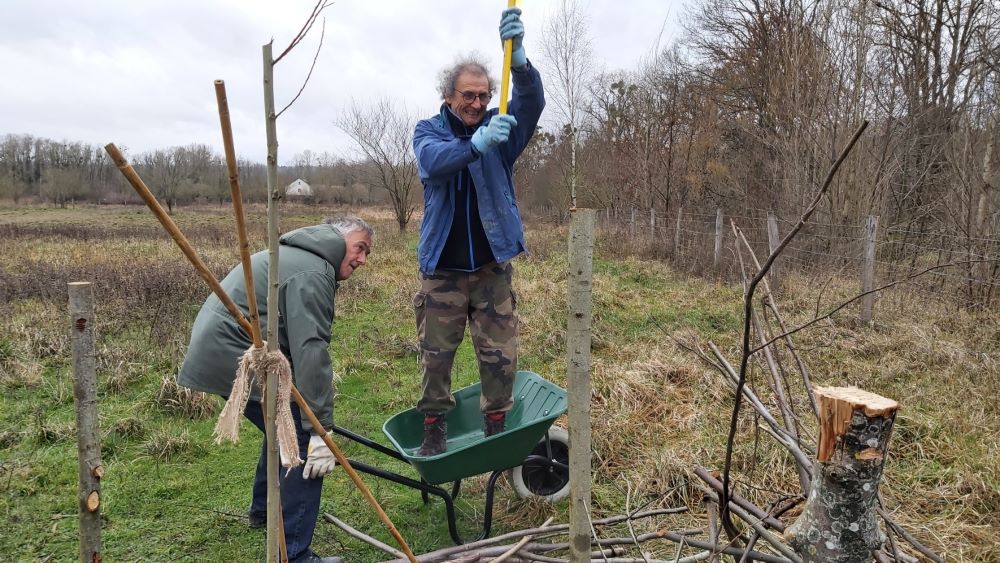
column 171, row 494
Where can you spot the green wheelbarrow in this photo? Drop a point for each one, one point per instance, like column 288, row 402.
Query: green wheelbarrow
column 534, row 452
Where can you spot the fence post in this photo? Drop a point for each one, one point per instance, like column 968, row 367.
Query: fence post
column 718, row 238
column 578, row 337
column 677, row 233
column 632, row 223
column 81, row 317
column 772, row 243
column 868, row 270
column 652, row 223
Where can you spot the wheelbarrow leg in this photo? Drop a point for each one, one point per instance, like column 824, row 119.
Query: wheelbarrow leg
column 488, row 512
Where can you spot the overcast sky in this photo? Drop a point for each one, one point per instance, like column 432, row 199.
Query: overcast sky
column 140, row 73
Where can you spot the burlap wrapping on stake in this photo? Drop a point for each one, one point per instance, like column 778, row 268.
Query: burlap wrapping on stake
column 259, row 360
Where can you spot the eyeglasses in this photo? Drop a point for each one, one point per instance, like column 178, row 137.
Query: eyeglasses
column 470, row 97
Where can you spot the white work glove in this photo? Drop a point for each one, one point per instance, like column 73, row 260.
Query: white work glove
column 319, row 459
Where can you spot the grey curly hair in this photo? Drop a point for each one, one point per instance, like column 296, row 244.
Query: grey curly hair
column 348, row 224
column 474, row 64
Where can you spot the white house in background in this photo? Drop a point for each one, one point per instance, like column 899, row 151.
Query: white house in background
column 298, row 188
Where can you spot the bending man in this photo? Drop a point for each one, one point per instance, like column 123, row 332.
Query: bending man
column 313, row 260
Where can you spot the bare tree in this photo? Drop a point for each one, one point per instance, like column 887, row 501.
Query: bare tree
column 567, row 56
column 384, row 136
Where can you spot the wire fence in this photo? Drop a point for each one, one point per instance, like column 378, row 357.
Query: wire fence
column 960, row 269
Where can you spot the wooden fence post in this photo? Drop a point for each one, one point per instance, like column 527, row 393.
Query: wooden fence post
column 81, row 317
column 632, row 223
column 677, row 233
column 838, row 523
column 772, row 243
column 652, row 223
column 718, row 239
column 868, row 270
column 578, row 335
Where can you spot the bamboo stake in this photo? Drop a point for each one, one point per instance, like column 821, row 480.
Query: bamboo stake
column 508, row 49
column 241, row 226
column 161, row 214
column 241, row 231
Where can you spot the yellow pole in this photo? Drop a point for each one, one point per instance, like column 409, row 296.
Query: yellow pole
column 508, row 47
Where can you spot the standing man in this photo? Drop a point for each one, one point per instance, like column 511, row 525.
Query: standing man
column 313, row 261
column 470, row 232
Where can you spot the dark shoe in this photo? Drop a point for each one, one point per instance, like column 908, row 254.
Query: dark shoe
column 256, row 520
column 493, row 423
column 310, row 557
column 435, row 436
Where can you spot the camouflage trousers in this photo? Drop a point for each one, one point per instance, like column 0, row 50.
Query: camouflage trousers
column 445, row 301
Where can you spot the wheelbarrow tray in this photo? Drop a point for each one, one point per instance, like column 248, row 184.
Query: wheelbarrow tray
column 537, row 403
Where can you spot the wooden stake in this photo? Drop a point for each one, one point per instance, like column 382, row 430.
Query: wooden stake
column 508, row 48
column 578, row 336
column 81, row 317
column 838, row 523
column 868, row 270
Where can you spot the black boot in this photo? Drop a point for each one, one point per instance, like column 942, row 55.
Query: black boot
column 435, row 436
column 494, row 422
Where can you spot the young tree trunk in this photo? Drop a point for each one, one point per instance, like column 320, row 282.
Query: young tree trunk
column 91, row 469
column 839, row 523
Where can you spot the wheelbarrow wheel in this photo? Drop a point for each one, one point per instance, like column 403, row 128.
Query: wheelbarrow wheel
column 538, row 480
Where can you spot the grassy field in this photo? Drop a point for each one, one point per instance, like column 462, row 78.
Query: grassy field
column 170, row 494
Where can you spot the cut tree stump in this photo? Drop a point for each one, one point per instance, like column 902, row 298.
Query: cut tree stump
column 839, row 522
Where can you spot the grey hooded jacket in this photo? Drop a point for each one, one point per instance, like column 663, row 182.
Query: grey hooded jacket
column 308, row 261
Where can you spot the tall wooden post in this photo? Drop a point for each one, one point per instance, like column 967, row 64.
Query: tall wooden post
column 718, row 239
column 773, row 240
column 81, row 316
column 677, row 233
column 271, row 389
column 868, row 270
column 838, row 523
column 580, row 297
column 652, row 223
column 631, row 224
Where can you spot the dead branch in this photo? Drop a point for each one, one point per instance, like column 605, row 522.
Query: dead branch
column 520, row 544
column 750, row 507
column 747, row 310
column 363, row 536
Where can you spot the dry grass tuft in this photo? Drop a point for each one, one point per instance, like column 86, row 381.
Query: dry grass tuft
column 181, row 401
column 164, row 445
column 117, row 371
column 10, row 438
column 131, row 428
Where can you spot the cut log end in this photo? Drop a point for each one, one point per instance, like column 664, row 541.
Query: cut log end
column 837, row 406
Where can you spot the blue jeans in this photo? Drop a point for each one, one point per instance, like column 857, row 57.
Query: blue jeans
column 299, row 497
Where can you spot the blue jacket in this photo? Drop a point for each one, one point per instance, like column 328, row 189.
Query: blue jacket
column 441, row 155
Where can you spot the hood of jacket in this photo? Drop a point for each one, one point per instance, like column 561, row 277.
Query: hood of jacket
column 321, row 240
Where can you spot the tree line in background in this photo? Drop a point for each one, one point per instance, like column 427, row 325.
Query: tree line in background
column 59, row 172
column 746, row 110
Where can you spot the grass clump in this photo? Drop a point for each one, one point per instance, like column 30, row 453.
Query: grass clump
column 165, row 445
column 181, row 401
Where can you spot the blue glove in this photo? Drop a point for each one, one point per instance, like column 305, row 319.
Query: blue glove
column 498, row 131
column 512, row 28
